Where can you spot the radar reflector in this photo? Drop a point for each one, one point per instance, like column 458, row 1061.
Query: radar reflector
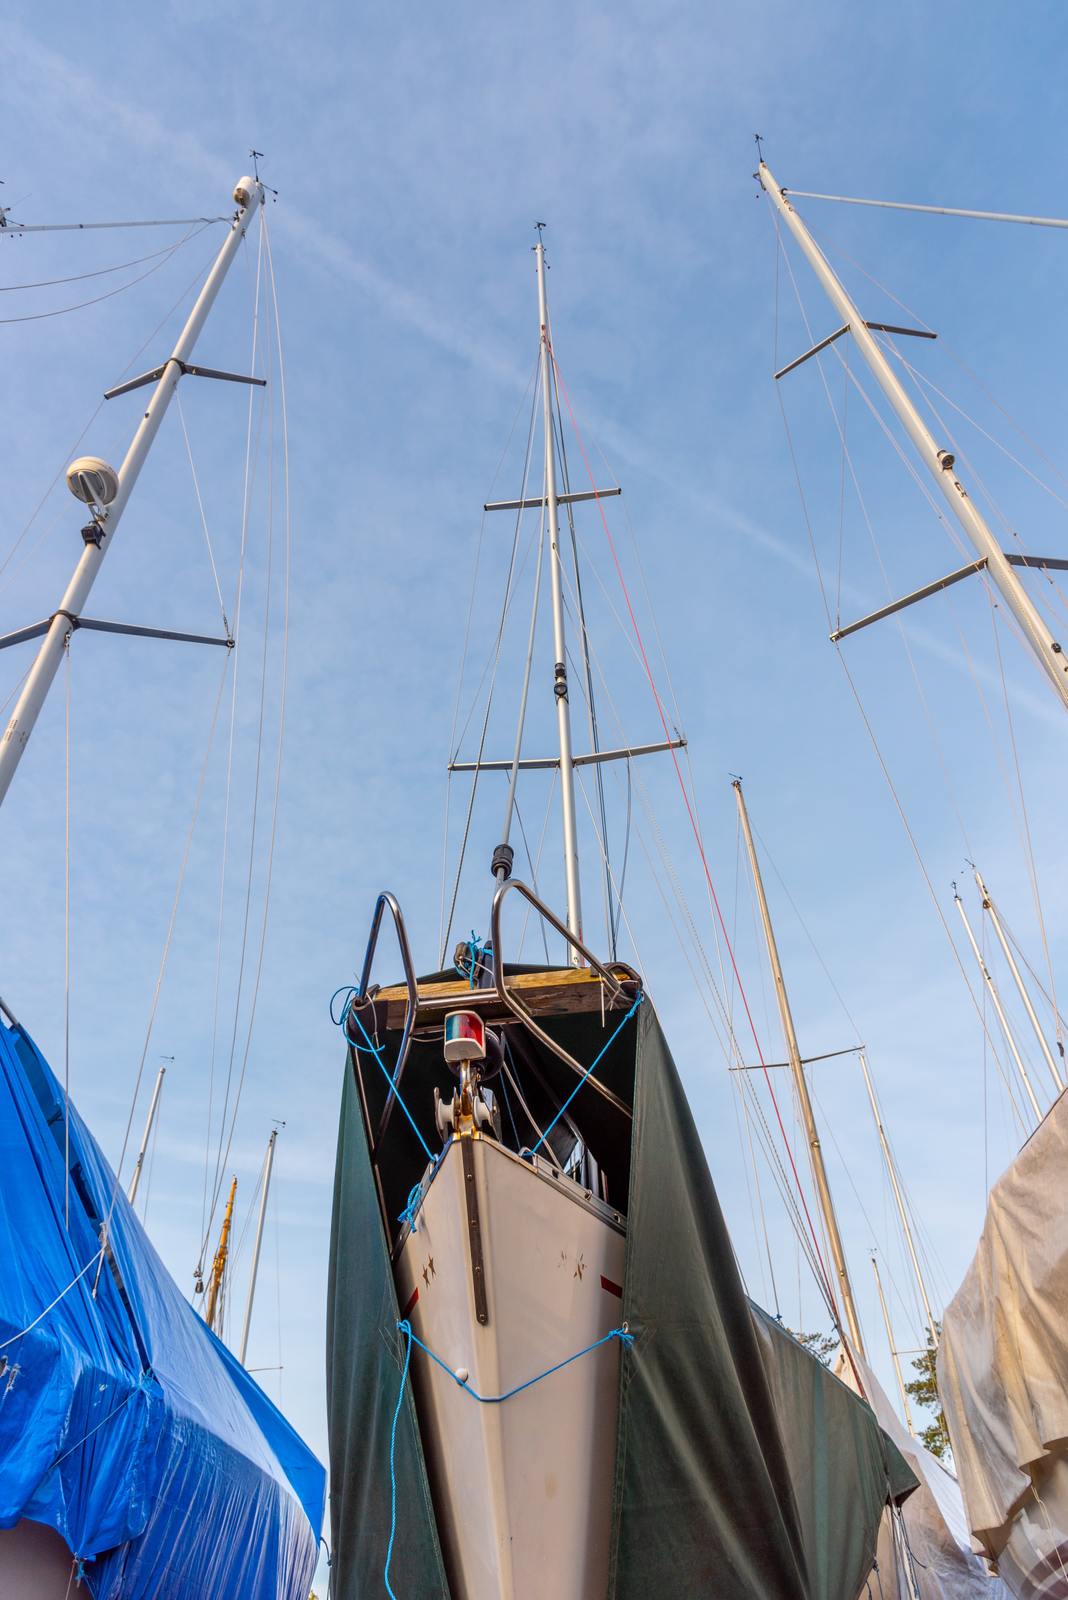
column 92, row 481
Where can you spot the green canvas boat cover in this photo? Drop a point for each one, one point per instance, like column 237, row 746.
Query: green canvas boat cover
column 745, row 1470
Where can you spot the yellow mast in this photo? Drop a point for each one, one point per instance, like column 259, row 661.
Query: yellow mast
column 218, row 1266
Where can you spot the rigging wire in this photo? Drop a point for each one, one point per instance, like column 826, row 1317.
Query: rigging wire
column 15, row 230
column 17, row 689
column 287, row 518
column 741, row 1101
column 534, row 871
column 287, row 525
column 200, row 508
column 1051, row 586
column 252, row 442
column 23, row 533
column 924, row 383
column 168, row 940
column 839, row 423
column 1058, row 1019
column 101, row 272
column 697, row 835
column 453, row 742
column 869, row 729
column 1026, row 820
column 591, row 703
column 151, row 1164
column 535, row 867
column 509, row 589
column 62, row 311
column 960, row 362
column 704, row 984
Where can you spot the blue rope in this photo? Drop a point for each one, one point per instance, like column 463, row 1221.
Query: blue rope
column 414, row 1197
column 624, row 1337
column 595, row 1063
column 404, row 1326
column 475, row 951
column 372, row 1047
column 350, row 993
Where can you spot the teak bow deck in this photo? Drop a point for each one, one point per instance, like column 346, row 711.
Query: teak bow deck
column 569, row 990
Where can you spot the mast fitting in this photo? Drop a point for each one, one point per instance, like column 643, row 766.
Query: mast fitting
column 560, row 681
column 501, row 865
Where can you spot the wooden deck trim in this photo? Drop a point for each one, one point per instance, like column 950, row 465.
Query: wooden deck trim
column 568, row 990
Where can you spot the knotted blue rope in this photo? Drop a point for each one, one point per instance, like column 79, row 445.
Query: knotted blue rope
column 393, row 1461
column 476, row 950
column 621, row 1333
column 343, row 1024
column 414, row 1199
column 590, row 1070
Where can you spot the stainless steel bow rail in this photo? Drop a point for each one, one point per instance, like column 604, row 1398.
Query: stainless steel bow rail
column 363, row 997
column 615, row 997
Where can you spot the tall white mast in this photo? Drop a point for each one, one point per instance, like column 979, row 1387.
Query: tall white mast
column 815, row 1149
column 901, row 1211
column 893, row 1347
column 989, row 906
column 998, row 1007
column 259, row 1240
column 248, row 196
column 563, row 709
column 153, row 1104
column 939, row 461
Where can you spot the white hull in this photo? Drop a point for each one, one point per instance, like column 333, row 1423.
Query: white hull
column 523, row 1489
column 35, row 1563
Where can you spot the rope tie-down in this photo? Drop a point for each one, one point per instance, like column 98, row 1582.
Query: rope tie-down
column 621, row 1333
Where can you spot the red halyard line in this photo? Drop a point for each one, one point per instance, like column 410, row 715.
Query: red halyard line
column 612, row 1288
column 409, row 1308
column 693, row 825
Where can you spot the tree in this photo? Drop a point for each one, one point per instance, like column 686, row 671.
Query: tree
column 924, row 1390
column 820, row 1345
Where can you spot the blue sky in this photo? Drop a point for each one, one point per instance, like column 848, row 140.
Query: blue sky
column 413, row 150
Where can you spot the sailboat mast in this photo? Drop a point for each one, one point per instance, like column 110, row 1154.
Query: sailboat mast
column 218, row 1266
column 989, row 906
column 259, row 1240
column 900, row 1202
column 563, row 709
column 938, row 460
column 139, row 1164
column 1010, row 1039
column 893, row 1347
column 249, row 196
column 815, row 1149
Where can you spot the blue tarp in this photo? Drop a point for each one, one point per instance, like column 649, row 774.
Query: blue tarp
column 124, row 1423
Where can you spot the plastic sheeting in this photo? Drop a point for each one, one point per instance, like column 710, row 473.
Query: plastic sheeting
column 125, row 1424
column 935, row 1528
column 745, row 1470
column 1003, row 1362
